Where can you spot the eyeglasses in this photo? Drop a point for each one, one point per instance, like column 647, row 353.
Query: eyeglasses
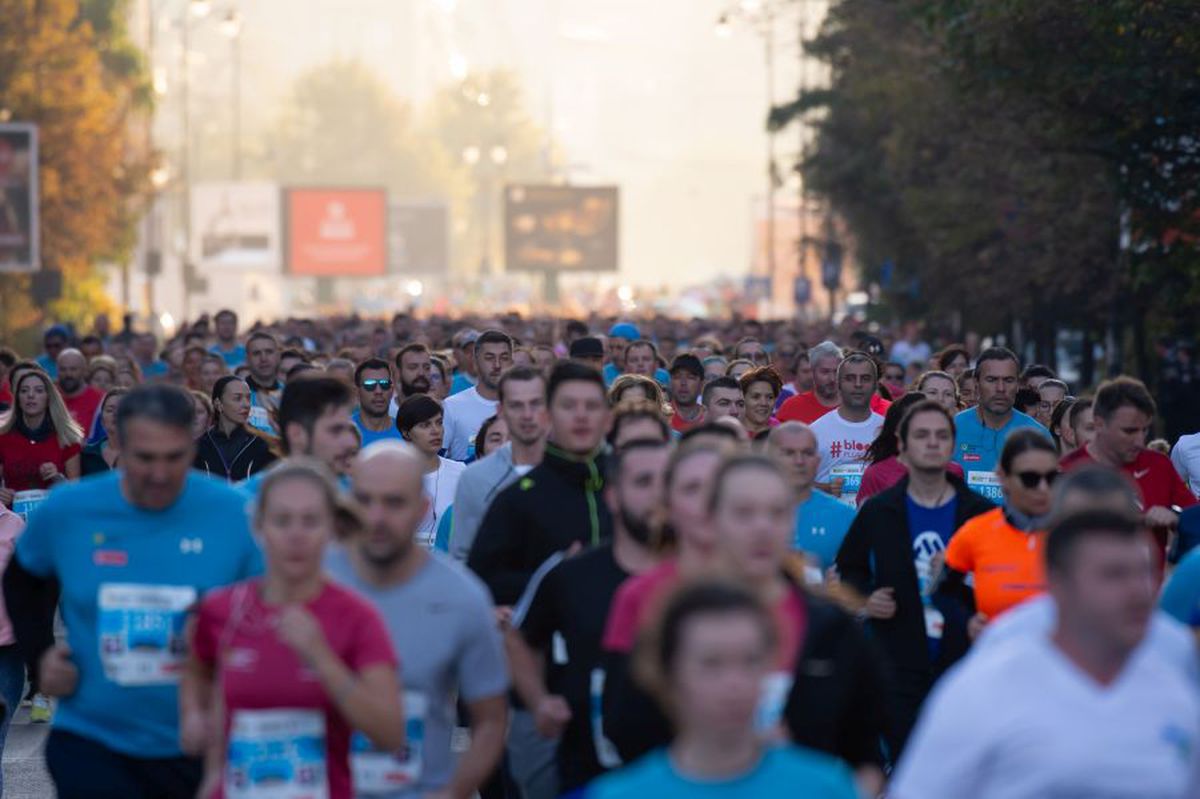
column 380, row 384
column 1034, row 479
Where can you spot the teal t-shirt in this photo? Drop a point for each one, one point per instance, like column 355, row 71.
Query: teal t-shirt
column 788, row 771
column 821, row 524
column 369, row 437
column 1181, row 596
column 129, row 579
column 977, row 449
column 233, row 358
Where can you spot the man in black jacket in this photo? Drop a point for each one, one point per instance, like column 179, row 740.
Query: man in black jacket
column 894, row 555
column 559, row 503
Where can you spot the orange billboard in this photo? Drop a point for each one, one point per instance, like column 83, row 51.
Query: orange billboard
column 336, row 232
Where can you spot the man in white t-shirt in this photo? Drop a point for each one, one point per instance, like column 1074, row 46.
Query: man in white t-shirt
column 845, row 434
column 467, row 410
column 1089, row 709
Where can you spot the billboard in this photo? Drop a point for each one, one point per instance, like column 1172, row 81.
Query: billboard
column 18, row 198
column 418, row 238
column 235, row 226
column 561, row 228
column 335, row 232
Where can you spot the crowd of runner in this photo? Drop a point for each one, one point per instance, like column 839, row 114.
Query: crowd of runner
column 523, row 558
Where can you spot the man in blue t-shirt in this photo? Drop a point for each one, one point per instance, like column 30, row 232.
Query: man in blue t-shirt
column 227, row 346
column 821, row 521
column 133, row 550
column 982, row 430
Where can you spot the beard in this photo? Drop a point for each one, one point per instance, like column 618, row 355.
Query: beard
column 640, row 529
column 69, row 385
column 418, row 386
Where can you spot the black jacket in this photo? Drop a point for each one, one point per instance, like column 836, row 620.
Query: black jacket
column 234, row 457
column 878, row 553
column 836, row 704
column 560, row 502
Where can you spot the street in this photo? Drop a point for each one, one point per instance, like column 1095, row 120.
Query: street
column 24, row 771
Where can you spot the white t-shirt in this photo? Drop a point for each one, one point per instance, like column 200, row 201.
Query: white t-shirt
column 904, row 353
column 1186, row 457
column 439, row 487
column 1018, row 720
column 465, row 413
column 842, row 446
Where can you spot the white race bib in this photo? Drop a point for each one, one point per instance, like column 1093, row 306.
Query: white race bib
column 851, row 475
column 142, row 632
column 377, row 772
column 986, row 484
column 25, row 502
column 276, row 754
column 771, row 701
column 935, row 623
column 260, row 419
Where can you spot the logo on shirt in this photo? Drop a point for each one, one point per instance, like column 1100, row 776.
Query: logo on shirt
column 836, row 448
column 191, row 546
column 110, row 557
column 1138, row 474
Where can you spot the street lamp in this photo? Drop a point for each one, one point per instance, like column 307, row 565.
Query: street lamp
column 200, row 8
column 231, row 28
column 471, row 155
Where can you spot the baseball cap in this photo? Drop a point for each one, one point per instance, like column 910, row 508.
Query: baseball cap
column 56, row 330
column 625, row 330
column 587, row 347
column 464, row 337
column 688, row 363
column 872, row 346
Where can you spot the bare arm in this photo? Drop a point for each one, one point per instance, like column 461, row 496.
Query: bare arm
column 72, row 468
column 489, row 723
column 550, row 712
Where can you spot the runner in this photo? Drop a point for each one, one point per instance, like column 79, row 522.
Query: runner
column 982, row 429
column 845, row 434
column 954, row 361
column 54, row 341
column 1083, row 422
column 465, row 373
column 522, row 405
column 443, row 630
column 1064, row 435
column 284, row 667
column 821, row 521
column 12, row 664
column 1050, row 393
column 132, row 550
column 1003, row 548
column 589, row 351
column 705, row 665
column 40, row 443
column 1088, row 709
column 82, row 400
column 687, row 379
column 374, row 416
column 641, row 358
column 262, row 356
column 968, row 389
column 884, row 466
column 1124, row 412
column 637, row 420
column 620, row 336
column 941, row 388
column 414, row 368
column 760, row 387
column 811, row 405
column 419, row 420
column 466, row 410
column 561, row 618
column 722, row 396
column 1034, row 375
column 558, row 504
column 890, row 556
column 227, row 346
column 103, row 455
column 231, row 450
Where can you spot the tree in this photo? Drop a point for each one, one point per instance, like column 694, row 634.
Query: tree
column 69, row 67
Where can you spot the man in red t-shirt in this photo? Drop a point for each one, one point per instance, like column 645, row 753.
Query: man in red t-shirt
column 1124, row 411
column 81, row 399
column 812, row 405
column 687, row 379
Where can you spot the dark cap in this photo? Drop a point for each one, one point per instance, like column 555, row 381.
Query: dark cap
column 872, row 346
column 587, row 347
column 687, row 362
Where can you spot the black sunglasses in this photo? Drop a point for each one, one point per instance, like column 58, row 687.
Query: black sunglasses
column 383, row 384
column 1032, row 479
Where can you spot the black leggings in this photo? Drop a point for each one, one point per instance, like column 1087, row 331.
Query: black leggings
column 84, row 769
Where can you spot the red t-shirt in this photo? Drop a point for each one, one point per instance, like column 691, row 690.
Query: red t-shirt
column 83, row 407
column 681, row 425
column 6, row 397
column 1158, row 484
column 235, row 633
column 21, row 459
column 808, row 409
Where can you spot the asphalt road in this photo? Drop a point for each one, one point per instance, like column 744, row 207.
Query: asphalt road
column 24, row 771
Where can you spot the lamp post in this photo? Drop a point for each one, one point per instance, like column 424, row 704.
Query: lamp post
column 487, row 166
column 231, row 27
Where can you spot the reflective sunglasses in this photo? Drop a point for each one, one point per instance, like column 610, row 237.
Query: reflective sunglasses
column 1033, row 479
column 381, row 384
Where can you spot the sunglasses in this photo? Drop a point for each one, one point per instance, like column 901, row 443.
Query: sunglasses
column 380, row 384
column 1034, row 479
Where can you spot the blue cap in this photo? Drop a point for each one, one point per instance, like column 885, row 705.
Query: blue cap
column 56, row 330
column 625, row 330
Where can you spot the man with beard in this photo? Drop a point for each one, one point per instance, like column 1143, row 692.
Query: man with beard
column 441, row 625
column 562, row 615
column 468, row 410
column 414, row 365
column 845, row 434
column 373, row 381
column 810, row 406
column 81, row 399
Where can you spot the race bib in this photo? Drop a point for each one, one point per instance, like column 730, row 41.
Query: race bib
column 276, row 754
column 987, row 484
column 377, row 772
column 25, row 502
column 141, row 632
column 606, row 751
column 935, row 623
column 771, row 700
column 260, row 419
column 851, row 475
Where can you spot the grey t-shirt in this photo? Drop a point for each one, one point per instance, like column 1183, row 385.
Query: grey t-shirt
column 444, row 632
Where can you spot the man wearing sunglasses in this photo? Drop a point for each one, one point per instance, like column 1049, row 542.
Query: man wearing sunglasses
column 373, row 380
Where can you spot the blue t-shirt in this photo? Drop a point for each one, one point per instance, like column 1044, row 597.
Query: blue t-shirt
column 977, row 449
column 369, row 437
column 155, row 369
column 49, row 364
column 1181, row 596
column 233, row 358
column 461, row 382
column 129, row 579
column 821, row 524
column 785, row 771
column 930, row 530
column 611, row 373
